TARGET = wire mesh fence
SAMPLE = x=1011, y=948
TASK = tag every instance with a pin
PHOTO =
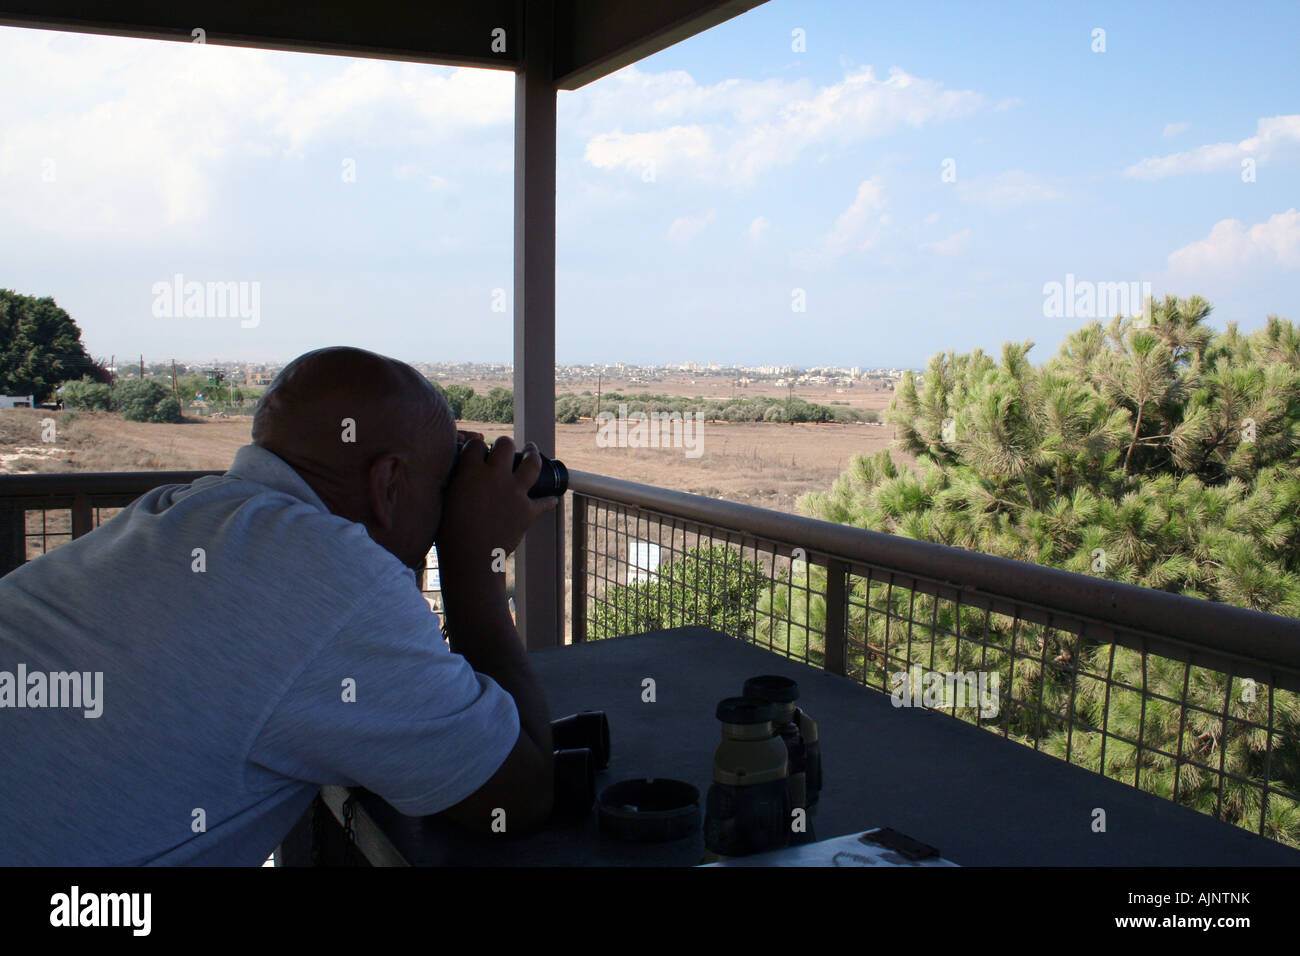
x=1215, y=728
x=1221, y=739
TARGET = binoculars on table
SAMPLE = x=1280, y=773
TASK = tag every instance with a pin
x=581, y=744
x=552, y=480
x=766, y=772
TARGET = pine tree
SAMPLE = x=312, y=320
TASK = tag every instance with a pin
x=1158, y=454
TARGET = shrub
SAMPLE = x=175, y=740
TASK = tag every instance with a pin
x=147, y=400
x=87, y=394
x=711, y=586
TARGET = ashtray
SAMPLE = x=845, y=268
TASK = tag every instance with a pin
x=649, y=810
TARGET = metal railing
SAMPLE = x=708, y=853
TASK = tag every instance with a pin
x=1194, y=701
x=39, y=512
x=1188, y=699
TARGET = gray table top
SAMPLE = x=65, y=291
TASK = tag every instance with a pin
x=982, y=800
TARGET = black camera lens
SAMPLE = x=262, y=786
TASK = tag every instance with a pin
x=552, y=481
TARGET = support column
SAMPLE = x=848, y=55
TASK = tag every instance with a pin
x=539, y=564
x=13, y=536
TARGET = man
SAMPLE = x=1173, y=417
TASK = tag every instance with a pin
x=249, y=637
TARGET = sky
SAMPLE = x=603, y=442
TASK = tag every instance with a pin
x=810, y=183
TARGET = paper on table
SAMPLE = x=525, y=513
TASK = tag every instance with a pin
x=838, y=851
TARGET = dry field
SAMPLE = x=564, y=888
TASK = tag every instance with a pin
x=715, y=388
x=764, y=464
x=100, y=441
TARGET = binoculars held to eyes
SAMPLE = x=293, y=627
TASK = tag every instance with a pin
x=552, y=481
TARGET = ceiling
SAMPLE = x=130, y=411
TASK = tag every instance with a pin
x=591, y=38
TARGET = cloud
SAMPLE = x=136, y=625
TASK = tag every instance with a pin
x=1276, y=138
x=642, y=152
x=686, y=228
x=860, y=225
x=734, y=131
x=950, y=246
x=416, y=172
x=1231, y=247
x=931, y=219
x=1173, y=129
x=759, y=226
x=124, y=137
x=1012, y=188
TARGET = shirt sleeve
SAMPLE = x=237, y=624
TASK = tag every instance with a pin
x=387, y=706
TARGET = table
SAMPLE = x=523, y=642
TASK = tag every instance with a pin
x=982, y=800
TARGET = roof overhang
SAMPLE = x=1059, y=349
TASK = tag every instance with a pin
x=592, y=37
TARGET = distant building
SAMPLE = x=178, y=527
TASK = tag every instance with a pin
x=17, y=401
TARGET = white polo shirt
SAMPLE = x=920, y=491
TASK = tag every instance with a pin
x=252, y=646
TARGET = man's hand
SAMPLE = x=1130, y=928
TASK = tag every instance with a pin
x=487, y=505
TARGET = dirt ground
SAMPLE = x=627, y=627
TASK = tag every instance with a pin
x=766, y=464
x=872, y=394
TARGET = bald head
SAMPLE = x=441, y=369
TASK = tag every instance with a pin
x=301, y=415
x=338, y=414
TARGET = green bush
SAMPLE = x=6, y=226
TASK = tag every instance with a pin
x=709, y=586
x=457, y=396
x=567, y=409
x=167, y=410
x=146, y=400
x=87, y=394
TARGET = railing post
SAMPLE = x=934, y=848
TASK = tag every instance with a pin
x=83, y=515
x=578, y=567
x=13, y=536
x=837, y=573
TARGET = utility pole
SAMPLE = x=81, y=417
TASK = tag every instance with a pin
x=175, y=394
x=600, y=377
x=142, y=366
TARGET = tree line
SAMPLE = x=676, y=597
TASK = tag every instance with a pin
x=498, y=406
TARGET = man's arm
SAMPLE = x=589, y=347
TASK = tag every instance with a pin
x=480, y=629
x=487, y=508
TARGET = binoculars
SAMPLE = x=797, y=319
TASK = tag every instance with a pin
x=581, y=744
x=767, y=772
x=552, y=481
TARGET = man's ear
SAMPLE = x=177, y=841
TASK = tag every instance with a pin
x=385, y=480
